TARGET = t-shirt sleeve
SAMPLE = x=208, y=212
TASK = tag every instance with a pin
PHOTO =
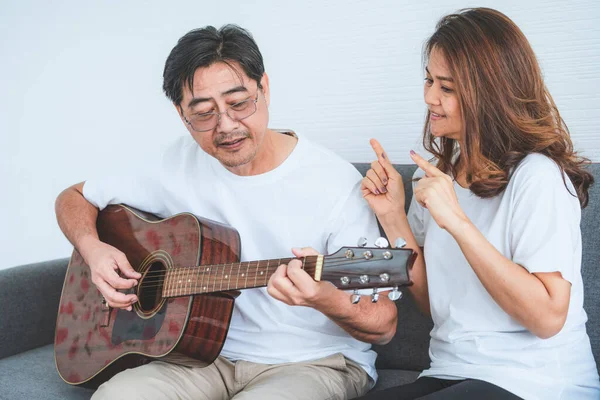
x=139, y=187
x=352, y=220
x=416, y=213
x=544, y=227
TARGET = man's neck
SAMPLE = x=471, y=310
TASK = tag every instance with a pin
x=274, y=150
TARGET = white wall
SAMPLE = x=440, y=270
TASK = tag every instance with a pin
x=80, y=85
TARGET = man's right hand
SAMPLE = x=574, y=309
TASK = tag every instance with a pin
x=110, y=271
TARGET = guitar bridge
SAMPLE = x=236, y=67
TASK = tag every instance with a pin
x=105, y=309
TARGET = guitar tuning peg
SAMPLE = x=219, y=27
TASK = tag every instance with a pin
x=374, y=296
x=382, y=243
x=395, y=294
x=362, y=242
x=355, y=298
x=399, y=243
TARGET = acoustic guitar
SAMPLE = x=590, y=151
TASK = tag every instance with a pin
x=191, y=275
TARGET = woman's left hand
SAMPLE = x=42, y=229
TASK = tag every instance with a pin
x=436, y=192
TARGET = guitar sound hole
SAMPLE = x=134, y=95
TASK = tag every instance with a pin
x=150, y=288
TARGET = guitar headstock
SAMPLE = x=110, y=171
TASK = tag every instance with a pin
x=368, y=267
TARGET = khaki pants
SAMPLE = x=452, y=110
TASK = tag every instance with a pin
x=331, y=378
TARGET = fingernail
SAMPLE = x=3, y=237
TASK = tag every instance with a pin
x=412, y=153
x=377, y=191
x=384, y=190
x=383, y=155
x=385, y=181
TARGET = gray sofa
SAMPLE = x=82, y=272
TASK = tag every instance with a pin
x=29, y=298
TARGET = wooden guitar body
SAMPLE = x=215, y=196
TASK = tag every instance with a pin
x=94, y=342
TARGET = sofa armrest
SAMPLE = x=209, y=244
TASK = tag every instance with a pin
x=29, y=297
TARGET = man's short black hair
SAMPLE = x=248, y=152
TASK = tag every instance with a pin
x=203, y=47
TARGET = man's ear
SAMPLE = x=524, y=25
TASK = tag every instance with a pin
x=264, y=82
x=179, y=111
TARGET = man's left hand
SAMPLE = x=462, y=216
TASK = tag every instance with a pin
x=293, y=286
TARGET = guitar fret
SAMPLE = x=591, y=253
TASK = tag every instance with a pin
x=179, y=271
x=187, y=283
x=229, y=279
x=202, y=288
x=215, y=280
x=267, y=273
x=247, y=267
x=181, y=281
x=222, y=277
x=256, y=273
x=237, y=279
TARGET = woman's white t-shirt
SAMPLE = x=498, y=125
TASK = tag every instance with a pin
x=534, y=223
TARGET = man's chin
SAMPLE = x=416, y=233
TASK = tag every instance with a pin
x=234, y=160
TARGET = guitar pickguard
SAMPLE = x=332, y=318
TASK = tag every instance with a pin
x=129, y=326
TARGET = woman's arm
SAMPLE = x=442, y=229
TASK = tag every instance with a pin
x=539, y=301
x=383, y=189
x=397, y=226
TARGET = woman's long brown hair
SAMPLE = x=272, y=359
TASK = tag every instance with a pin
x=506, y=108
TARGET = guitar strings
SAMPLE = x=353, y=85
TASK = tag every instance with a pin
x=157, y=281
x=155, y=295
x=181, y=271
x=279, y=262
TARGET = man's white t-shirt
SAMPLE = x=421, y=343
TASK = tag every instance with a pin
x=312, y=199
x=534, y=223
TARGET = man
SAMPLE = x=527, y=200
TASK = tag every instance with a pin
x=296, y=339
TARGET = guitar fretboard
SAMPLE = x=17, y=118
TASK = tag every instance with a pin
x=223, y=277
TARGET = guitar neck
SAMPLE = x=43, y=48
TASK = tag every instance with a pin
x=189, y=281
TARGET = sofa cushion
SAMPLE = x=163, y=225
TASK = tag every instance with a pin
x=590, y=267
x=32, y=293
x=394, y=377
x=33, y=375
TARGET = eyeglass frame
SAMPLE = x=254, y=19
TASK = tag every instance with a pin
x=218, y=114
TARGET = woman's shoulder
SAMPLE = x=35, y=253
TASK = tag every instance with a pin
x=538, y=167
x=539, y=175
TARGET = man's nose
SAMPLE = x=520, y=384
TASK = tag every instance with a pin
x=226, y=124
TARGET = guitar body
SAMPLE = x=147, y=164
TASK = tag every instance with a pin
x=94, y=342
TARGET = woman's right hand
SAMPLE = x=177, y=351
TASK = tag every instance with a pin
x=382, y=186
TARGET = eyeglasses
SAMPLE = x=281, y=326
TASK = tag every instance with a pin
x=208, y=121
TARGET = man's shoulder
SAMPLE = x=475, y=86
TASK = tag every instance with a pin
x=327, y=163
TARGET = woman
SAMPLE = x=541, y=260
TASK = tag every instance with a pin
x=496, y=222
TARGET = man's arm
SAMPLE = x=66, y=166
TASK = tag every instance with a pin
x=366, y=321
x=77, y=219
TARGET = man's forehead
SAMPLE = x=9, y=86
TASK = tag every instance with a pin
x=218, y=78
